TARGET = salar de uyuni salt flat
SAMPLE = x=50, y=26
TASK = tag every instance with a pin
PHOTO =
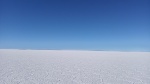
x=73, y=67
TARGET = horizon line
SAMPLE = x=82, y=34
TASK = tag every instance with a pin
x=76, y=50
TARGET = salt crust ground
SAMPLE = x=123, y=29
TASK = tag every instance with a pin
x=73, y=67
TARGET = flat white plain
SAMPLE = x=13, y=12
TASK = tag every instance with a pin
x=73, y=67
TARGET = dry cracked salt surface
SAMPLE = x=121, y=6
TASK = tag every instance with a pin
x=73, y=67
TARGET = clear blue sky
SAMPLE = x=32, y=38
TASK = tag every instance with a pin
x=75, y=24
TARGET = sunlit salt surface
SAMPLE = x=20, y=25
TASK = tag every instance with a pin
x=73, y=67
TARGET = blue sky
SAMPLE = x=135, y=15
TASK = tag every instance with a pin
x=75, y=24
